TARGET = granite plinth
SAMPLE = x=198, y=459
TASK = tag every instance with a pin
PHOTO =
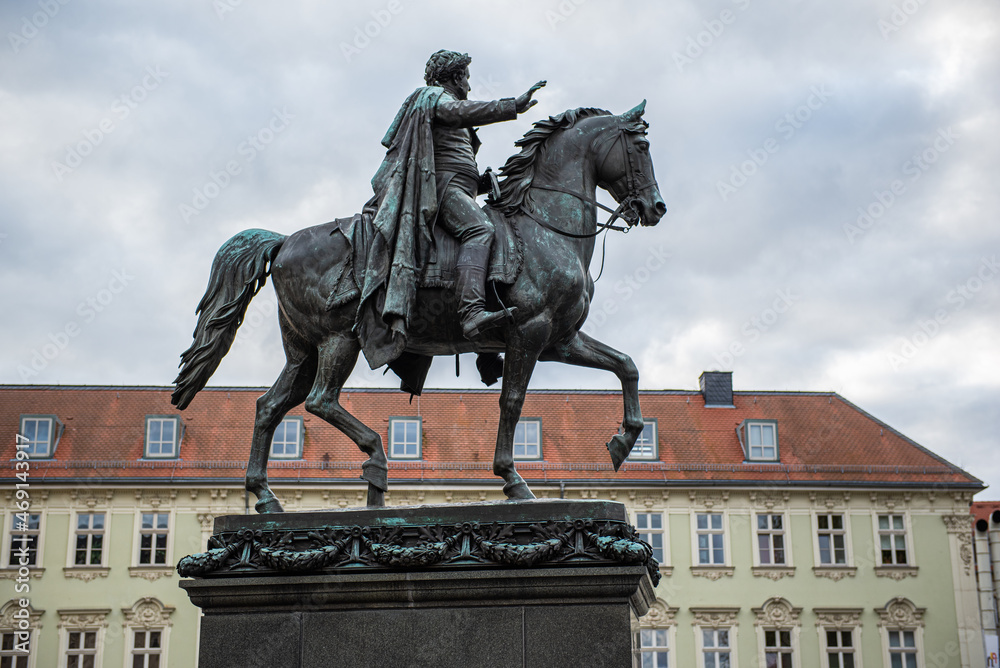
x=570, y=609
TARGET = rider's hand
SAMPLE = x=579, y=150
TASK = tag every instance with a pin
x=524, y=101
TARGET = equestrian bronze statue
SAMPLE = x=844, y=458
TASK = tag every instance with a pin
x=423, y=271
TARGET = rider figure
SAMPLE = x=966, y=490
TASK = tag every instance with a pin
x=458, y=181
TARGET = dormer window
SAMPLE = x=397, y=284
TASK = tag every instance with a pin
x=759, y=439
x=39, y=435
x=287, y=440
x=162, y=437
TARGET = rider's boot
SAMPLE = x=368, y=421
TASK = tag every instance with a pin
x=471, y=289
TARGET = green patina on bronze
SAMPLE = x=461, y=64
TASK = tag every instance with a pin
x=354, y=284
x=521, y=535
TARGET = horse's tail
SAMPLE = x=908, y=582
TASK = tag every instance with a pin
x=239, y=271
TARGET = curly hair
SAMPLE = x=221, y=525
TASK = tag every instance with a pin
x=444, y=65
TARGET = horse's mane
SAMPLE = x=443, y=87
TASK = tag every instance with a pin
x=519, y=169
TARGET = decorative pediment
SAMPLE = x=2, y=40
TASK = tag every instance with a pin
x=843, y=619
x=714, y=617
x=769, y=499
x=777, y=613
x=148, y=613
x=83, y=619
x=659, y=615
x=900, y=612
x=708, y=500
x=8, y=621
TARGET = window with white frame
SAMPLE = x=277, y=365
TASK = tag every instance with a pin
x=778, y=648
x=146, y=648
x=759, y=439
x=88, y=549
x=287, y=440
x=902, y=648
x=154, y=532
x=147, y=633
x=831, y=536
x=528, y=439
x=162, y=437
x=17, y=645
x=646, y=445
x=654, y=648
x=839, y=648
x=892, y=540
x=38, y=435
x=404, y=438
x=649, y=526
x=24, y=539
x=716, y=651
x=15, y=650
x=901, y=624
x=81, y=648
x=771, y=539
x=710, y=534
x=81, y=637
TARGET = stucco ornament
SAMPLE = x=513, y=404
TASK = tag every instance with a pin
x=777, y=613
x=148, y=613
x=902, y=613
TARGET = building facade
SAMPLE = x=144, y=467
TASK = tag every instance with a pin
x=792, y=529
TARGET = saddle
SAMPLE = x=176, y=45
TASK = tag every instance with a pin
x=506, y=256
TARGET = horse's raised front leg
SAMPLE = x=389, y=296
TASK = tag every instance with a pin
x=337, y=357
x=288, y=391
x=583, y=350
x=518, y=366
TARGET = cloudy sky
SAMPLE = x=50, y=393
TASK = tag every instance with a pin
x=830, y=170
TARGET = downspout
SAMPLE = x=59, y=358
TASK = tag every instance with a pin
x=987, y=606
x=994, y=540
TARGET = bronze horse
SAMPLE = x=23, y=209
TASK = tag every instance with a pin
x=548, y=192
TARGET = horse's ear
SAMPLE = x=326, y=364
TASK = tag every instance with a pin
x=635, y=113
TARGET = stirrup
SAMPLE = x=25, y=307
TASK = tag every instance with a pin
x=483, y=321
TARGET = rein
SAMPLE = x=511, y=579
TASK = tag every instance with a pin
x=631, y=193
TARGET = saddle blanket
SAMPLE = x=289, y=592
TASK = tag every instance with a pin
x=439, y=271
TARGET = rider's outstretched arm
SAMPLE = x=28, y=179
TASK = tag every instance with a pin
x=473, y=113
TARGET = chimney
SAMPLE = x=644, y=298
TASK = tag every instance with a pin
x=717, y=388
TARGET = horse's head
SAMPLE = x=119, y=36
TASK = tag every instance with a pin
x=625, y=168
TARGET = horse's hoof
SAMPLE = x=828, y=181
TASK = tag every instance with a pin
x=619, y=448
x=271, y=505
x=376, y=497
x=517, y=490
x=375, y=474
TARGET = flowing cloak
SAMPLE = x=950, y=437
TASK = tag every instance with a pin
x=401, y=233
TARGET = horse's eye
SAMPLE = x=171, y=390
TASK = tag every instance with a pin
x=643, y=146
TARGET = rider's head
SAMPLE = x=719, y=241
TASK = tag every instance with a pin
x=450, y=70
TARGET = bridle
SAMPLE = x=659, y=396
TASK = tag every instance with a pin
x=633, y=180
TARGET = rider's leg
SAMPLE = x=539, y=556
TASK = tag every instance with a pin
x=464, y=220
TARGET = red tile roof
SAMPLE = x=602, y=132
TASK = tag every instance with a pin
x=981, y=510
x=823, y=439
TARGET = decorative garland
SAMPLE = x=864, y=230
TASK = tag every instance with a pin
x=519, y=545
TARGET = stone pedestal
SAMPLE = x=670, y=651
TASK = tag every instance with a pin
x=541, y=583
